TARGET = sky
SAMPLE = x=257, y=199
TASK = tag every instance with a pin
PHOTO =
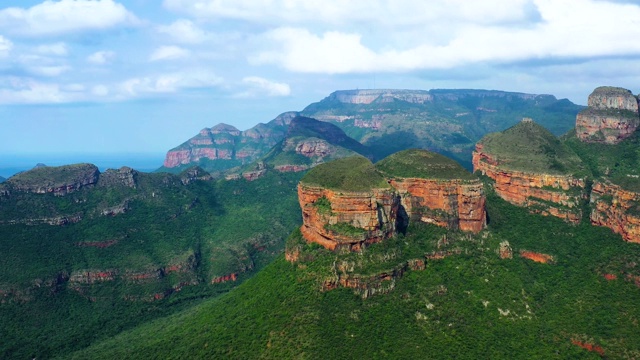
x=143, y=76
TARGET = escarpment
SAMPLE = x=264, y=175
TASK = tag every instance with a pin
x=617, y=209
x=531, y=168
x=348, y=202
x=612, y=116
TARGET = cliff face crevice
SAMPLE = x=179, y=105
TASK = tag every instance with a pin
x=452, y=203
x=546, y=194
x=617, y=209
x=611, y=116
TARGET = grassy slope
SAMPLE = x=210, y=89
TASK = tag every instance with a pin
x=450, y=310
x=355, y=173
x=422, y=164
x=232, y=226
x=619, y=163
x=528, y=146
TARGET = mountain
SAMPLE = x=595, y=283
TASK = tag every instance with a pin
x=599, y=161
x=223, y=146
x=308, y=142
x=2, y=179
x=350, y=203
x=527, y=286
x=386, y=121
x=446, y=121
x=95, y=252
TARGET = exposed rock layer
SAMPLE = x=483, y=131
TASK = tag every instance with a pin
x=617, y=209
x=611, y=117
x=556, y=195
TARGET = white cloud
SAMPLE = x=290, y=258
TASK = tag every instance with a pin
x=169, y=83
x=567, y=31
x=58, y=49
x=5, y=46
x=183, y=31
x=15, y=90
x=65, y=16
x=380, y=13
x=100, y=90
x=50, y=71
x=169, y=53
x=101, y=57
x=258, y=86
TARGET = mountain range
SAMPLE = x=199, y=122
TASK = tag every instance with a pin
x=393, y=249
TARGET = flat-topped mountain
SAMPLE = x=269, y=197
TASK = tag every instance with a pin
x=447, y=121
x=612, y=116
x=350, y=202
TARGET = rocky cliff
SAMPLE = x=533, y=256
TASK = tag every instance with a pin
x=435, y=189
x=532, y=168
x=348, y=202
x=57, y=180
x=612, y=116
x=617, y=209
x=224, y=146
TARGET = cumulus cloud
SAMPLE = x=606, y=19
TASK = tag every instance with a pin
x=101, y=57
x=169, y=53
x=183, y=31
x=385, y=12
x=258, y=86
x=169, y=83
x=65, y=16
x=5, y=46
x=58, y=49
x=567, y=31
x=15, y=90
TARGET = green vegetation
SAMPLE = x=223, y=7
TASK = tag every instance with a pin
x=469, y=305
x=417, y=163
x=528, y=146
x=355, y=173
x=345, y=229
x=54, y=176
x=618, y=163
x=207, y=228
x=323, y=205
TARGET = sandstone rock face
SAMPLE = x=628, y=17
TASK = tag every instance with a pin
x=617, y=209
x=611, y=117
x=556, y=195
x=452, y=203
x=347, y=219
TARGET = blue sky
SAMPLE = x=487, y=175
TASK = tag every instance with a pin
x=142, y=76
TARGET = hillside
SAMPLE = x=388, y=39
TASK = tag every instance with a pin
x=355, y=173
x=449, y=122
x=529, y=147
x=94, y=253
x=464, y=301
x=422, y=164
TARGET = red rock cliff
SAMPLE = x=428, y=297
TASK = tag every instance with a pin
x=612, y=116
x=347, y=219
x=617, y=209
x=556, y=195
x=450, y=203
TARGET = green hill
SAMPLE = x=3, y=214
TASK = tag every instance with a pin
x=422, y=164
x=355, y=173
x=468, y=305
x=128, y=248
x=527, y=146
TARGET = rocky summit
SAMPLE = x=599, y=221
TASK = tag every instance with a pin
x=612, y=116
x=350, y=202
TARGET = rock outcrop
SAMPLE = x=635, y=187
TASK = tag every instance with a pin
x=381, y=95
x=57, y=180
x=612, y=116
x=348, y=203
x=617, y=209
x=228, y=144
x=532, y=169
